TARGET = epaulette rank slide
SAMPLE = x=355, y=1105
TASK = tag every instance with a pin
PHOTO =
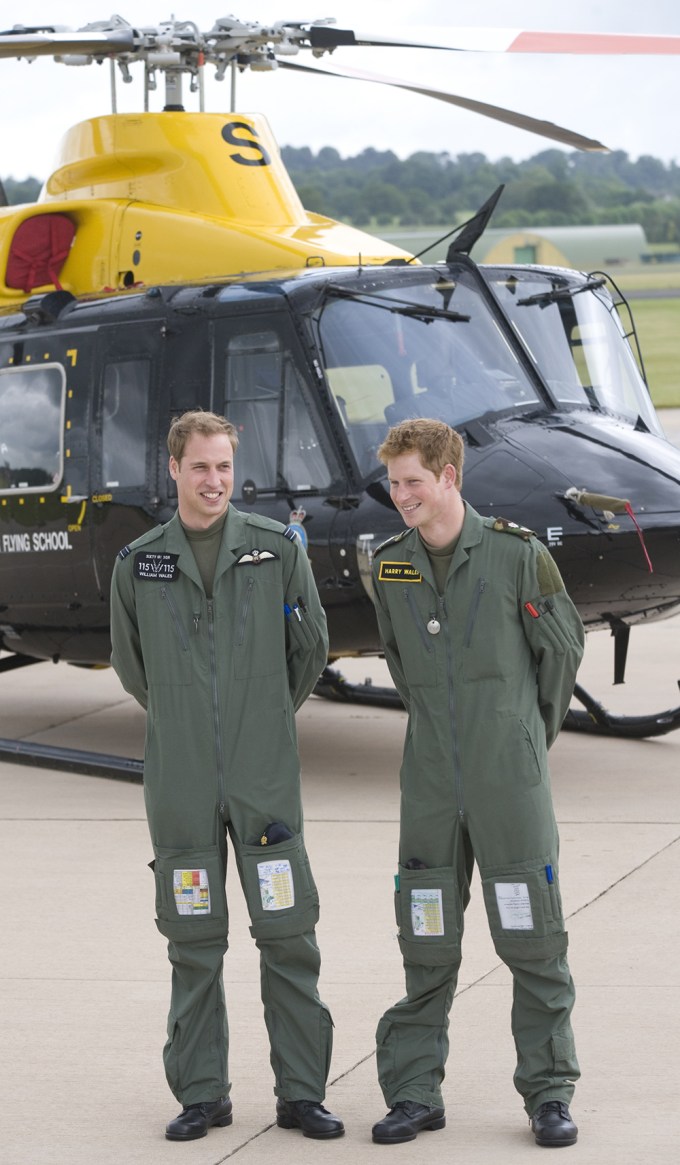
x=505, y=527
x=391, y=541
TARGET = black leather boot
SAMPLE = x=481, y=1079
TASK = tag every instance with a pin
x=405, y=1120
x=310, y=1116
x=552, y=1125
x=195, y=1120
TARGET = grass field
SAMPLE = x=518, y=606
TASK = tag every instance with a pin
x=658, y=327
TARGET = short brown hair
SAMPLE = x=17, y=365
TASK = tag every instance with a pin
x=436, y=443
x=198, y=421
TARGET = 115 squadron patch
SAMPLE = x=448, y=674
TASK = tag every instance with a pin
x=157, y=566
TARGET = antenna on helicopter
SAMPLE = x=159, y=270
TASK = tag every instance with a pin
x=472, y=230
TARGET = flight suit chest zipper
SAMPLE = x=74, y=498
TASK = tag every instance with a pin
x=244, y=611
x=219, y=754
x=474, y=609
x=174, y=614
x=417, y=618
x=455, y=751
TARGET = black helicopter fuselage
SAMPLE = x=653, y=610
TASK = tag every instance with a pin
x=312, y=368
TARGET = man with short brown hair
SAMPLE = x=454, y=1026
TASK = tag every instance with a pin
x=218, y=632
x=483, y=644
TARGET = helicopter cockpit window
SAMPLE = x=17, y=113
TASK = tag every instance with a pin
x=427, y=347
x=577, y=340
x=31, y=428
x=279, y=446
x=124, y=414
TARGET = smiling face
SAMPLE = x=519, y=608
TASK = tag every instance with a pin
x=428, y=503
x=205, y=479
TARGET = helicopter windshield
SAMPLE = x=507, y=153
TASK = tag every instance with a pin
x=575, y=335
x=422, y=346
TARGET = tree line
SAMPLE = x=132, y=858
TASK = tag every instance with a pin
x=552, y=188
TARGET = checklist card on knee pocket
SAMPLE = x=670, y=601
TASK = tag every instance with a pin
x=279, y=887
x=428, y=915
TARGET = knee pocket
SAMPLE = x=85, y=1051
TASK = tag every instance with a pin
x=524, y=909
x=191, y=900
x=279, y=888
x=563, y=1053
x=429, y=915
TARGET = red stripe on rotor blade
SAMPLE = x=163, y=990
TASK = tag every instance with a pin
x=604, y=44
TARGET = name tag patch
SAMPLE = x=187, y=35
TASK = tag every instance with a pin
x=156, y=566
x=399, y=572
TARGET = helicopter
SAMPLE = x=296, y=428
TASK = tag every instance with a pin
x=169, y=264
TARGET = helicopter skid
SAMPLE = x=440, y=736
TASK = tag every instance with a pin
x=332, y=685
x=71, y=760
x=595, y=718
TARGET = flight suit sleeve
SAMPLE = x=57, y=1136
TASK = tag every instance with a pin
x=126, y=656
x=306, y=631
x=389, y=642
x=555, y=634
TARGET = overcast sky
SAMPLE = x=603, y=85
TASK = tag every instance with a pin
x=629, y=103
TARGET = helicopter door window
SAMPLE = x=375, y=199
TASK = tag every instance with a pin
x=31, y=428
x=124, y=415
x=278, y=444
x=304, y=465
x=253, y=393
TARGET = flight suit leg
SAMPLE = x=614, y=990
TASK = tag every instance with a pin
x=524, y=909
x=196, y=1052
x=543, y=999
x=412, y=1036
x=299, y=1025
x=412, y=1043
x=284, y=907
x=191, y=909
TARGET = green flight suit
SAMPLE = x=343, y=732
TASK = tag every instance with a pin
x=486, y=671
x=221, y=679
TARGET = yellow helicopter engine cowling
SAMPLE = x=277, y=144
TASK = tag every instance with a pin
x=164, y=198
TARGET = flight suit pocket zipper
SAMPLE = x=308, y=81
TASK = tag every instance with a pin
x=244, y=611
x=417, y=618
x=474, y=610
x=174, y=613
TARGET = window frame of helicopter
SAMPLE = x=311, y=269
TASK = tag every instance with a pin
x=44, y=412
x=125, y=446
x=601, y=376
x=265, y=394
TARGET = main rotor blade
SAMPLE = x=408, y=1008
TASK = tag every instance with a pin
x=57, y=44
x=503, y=40
x=546, y=129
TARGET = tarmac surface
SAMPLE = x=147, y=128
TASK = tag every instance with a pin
x=84, y=980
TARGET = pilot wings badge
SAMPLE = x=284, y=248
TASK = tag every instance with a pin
x=255, y=557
